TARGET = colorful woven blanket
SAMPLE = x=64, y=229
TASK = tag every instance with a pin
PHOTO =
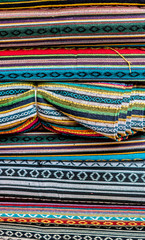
x=83, y=109
x=72, y=64
x=72, y=78
x=72, y=215
x=13, y=231
x=48, y=167
x=95, y=25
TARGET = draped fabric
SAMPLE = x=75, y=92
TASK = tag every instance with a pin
x=83, y=109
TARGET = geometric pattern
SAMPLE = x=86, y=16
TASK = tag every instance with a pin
x=53, y=233
x=46, y=142
x=58, y=214
x=71, y=179
x=51, y=29
x=95, y=175
x=56, y=109
x=83, y=194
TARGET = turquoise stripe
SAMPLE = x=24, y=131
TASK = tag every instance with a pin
x=99, y=218
x=98, y=157
x=73, y=73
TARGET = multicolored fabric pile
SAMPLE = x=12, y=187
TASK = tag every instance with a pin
x=55, y=187
x=72, y=120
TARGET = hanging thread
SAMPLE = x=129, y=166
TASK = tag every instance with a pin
x=129, y=63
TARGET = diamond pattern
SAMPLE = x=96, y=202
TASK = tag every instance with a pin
x=82, y=175
x=120, y=177
x=133, y=177
x=108, y=177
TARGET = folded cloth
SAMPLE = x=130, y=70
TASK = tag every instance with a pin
x=99, y=149
x=84, y=109
x=72, y=214
x=71, y=64
x=12, y=231
x=23, y=4
x=108, y=172
x=18, y=108
x=94, y=25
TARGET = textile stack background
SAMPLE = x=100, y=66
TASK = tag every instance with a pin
x=72, y=120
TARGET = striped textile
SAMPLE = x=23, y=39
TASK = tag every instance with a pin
x=72, y=11
x=115, y=111
x=13, y=231
x=46, y=166
x=73, y=214
x=74, y=177
x=74, y=70
x=73, y=26
x=17, y=108
x=86, y=109
x=23, y=4
x=70, y=147
x=71, y=64
x=65, y=168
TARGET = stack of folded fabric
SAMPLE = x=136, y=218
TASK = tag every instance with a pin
x=72, y=120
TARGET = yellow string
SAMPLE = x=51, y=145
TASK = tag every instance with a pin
x=129, y=63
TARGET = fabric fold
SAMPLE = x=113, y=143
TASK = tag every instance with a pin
x=86, y=109
x=52, y=232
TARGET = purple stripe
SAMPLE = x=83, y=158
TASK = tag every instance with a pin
x=137, y=145
x=81, y=63
x=105, y=17
x=111, y=42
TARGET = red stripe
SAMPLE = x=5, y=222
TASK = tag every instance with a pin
x=49, y=51
x=71, y=206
